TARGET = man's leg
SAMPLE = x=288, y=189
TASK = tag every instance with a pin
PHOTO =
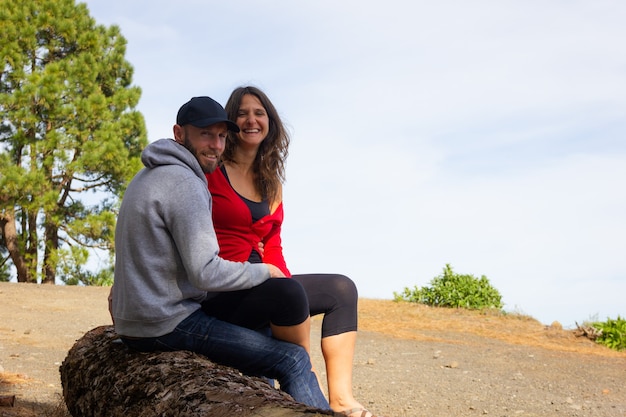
x=248, y=351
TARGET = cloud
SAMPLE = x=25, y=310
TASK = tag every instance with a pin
x=483, y=134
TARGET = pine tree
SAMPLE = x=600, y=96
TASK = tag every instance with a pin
x=69, y=127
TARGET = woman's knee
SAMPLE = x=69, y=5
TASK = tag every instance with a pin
x=290, y=306
x=345, y=289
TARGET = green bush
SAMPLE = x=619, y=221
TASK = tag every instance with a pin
x=454, y=290
x=613, y=333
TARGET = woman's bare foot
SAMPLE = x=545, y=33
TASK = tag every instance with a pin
x=357, y=412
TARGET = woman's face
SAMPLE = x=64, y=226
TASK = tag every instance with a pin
x=252, y=120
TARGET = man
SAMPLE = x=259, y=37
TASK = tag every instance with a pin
x=167, y=261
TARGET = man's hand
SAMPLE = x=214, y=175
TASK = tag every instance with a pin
x=275, y=272
x=110, y=299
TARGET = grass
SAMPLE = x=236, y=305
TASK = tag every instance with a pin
x=421, y=322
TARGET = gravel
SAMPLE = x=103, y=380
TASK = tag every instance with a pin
x=471, y=375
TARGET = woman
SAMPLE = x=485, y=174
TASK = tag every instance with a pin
x=248, y=215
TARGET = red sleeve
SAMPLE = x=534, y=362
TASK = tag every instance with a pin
x=273, y=249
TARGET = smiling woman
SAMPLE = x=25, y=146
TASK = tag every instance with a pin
x=248, y=216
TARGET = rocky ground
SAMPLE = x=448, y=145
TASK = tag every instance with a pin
x=411, y=360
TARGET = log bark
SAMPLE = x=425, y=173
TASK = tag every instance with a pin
x=7, y=400
x=102, y=377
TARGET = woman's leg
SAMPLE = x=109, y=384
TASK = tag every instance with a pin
x=336, y=297
x=338, y=352
x=280, y=303
x=300, y=334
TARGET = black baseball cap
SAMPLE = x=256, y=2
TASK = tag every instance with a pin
x=204, y=111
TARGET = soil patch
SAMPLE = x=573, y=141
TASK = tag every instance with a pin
x=411, y=360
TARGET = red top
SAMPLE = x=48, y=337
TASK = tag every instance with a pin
x=236, y=234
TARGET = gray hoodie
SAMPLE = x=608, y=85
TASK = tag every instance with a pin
x=165, y=246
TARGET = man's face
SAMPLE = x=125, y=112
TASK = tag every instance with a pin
x=205, y=143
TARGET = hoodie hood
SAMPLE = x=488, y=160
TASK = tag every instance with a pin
x=169, y=152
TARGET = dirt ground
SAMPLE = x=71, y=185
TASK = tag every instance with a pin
x=411, y=360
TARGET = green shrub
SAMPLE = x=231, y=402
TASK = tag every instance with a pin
x=454, y=290
x=613, y=333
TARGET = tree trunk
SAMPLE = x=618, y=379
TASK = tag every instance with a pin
x=9, y=232
x=51, y=237
x=102, y=377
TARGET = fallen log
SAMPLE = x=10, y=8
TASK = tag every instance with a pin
x=102, y=377
x=7, y=400
x=589, y=332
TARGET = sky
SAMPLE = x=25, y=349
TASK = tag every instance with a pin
x=488, y=135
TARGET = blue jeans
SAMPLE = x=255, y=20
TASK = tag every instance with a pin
x=247, y=350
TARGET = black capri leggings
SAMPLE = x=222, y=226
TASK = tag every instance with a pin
x=289, y=301
x=281, y=301
x=333, y=295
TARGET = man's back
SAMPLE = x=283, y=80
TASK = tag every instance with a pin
x=166, y=250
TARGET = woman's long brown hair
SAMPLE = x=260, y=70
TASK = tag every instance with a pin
x=269, y=165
